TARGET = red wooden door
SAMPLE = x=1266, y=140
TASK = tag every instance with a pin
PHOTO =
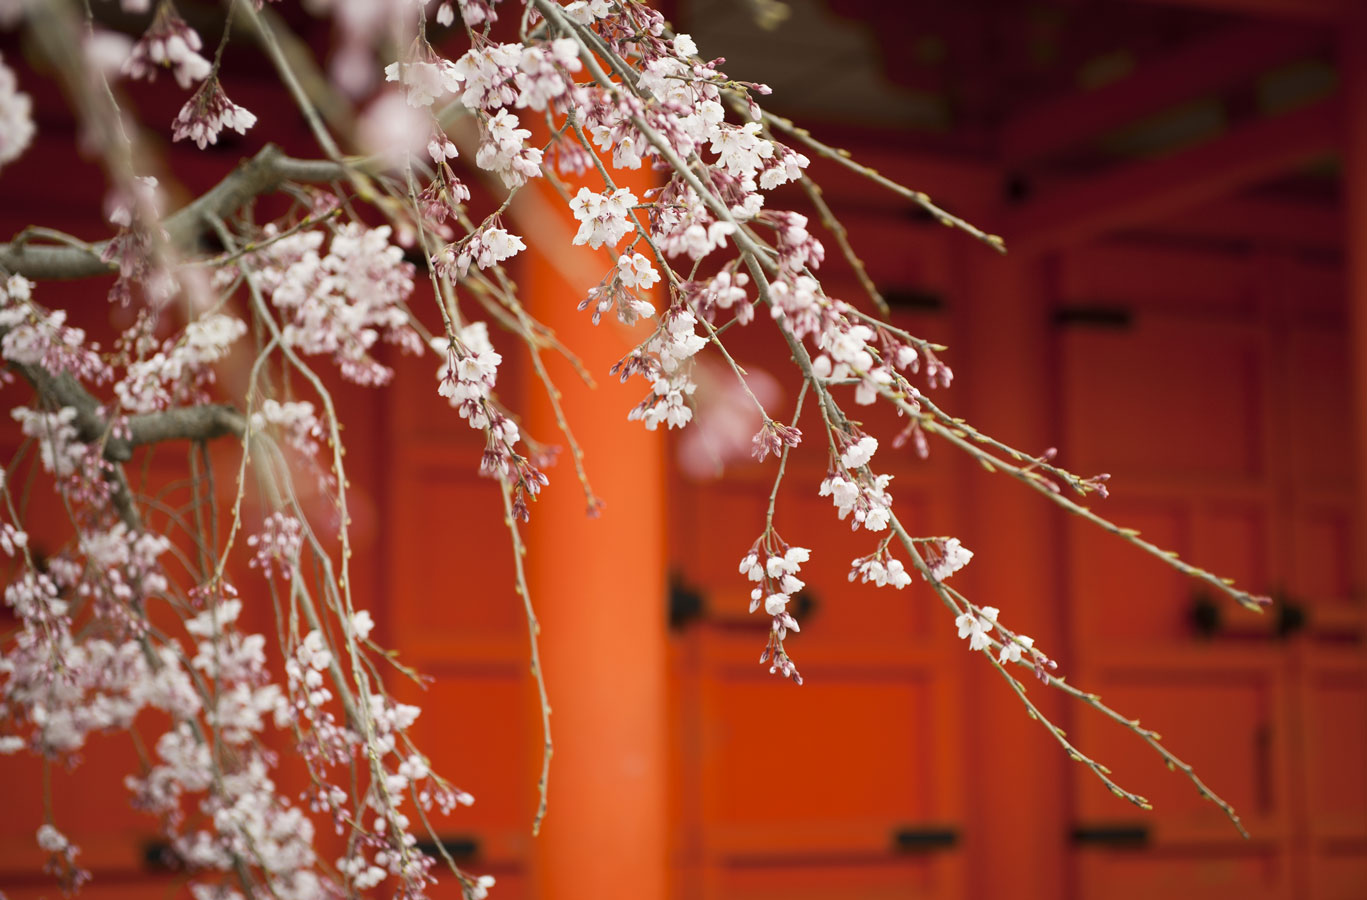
x=1217, y=398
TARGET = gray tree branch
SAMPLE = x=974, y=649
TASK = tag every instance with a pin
x=188, y=423
x=261, y=174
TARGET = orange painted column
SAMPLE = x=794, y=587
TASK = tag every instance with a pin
x=599, y=586
x=1017, y=801
x=1353, y=72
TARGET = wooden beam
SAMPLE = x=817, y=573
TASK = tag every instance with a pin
x=1143, y=192
x=1197, y=70
x=1304, y=10
x=1264, y=221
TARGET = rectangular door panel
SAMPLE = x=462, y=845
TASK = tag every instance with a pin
x=807, y=879
x=1335, y=740
x=835, y=766
x=469, y=594
x=1245, y=873
x=1319, y=420
x=1130, y=391
x=1339, y=871
x=1221, y=720
x=1322, y=556
x=459, y=708
x=1122, y=593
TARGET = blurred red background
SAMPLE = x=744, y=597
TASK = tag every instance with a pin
x=1183, y=186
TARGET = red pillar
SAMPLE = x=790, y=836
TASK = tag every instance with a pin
x=599, y=588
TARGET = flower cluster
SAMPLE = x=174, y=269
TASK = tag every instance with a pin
x=881, y=568
x=948, y=557
x=503, y=150
x=485, y=247
x=343, y=301
x=424, y=80
x=721, y=293
x=633, y=271
x=33, y=336
x=662, y=359
x=468, y=376
x=467, y=379
x=603, y=218
x=540, y=78
x=16, y=117
x=774, y=565
x=977, y=627
x=246, y=820
x=277, y=544
x=207, y=112
x=168, y=43
x=61, y=858
x=772, y=437
x=181, y=370
x=59, y=446
x=296, y=419
x=861, y=493
x=125, y=565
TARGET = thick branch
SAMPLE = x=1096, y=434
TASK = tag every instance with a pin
x=261, y=174
x=184, y=423
x=187, y=423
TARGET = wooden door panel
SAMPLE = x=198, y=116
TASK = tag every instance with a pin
x=1224, y=720
x=1335, y=738
x=466, y=600
x=104, y=886
x=1339, y=871
x=1121, y=593
x=852, y=738
x=798, y=879
x=1321, y=414
x=844, y=787
x=1247, y=873
x=719, y=525
x=1130, y=390
x=113, y=840
x=1322, y=555
x=1232, y=540
x=459, y=707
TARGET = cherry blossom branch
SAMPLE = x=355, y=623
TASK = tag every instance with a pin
x=842, y=239
x=956, y=435
x=783, y=459
x=533, y=633
x=755, y=261
x=958, y=604
x=1150, y=737
x=920, y=198
x=266, y=34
